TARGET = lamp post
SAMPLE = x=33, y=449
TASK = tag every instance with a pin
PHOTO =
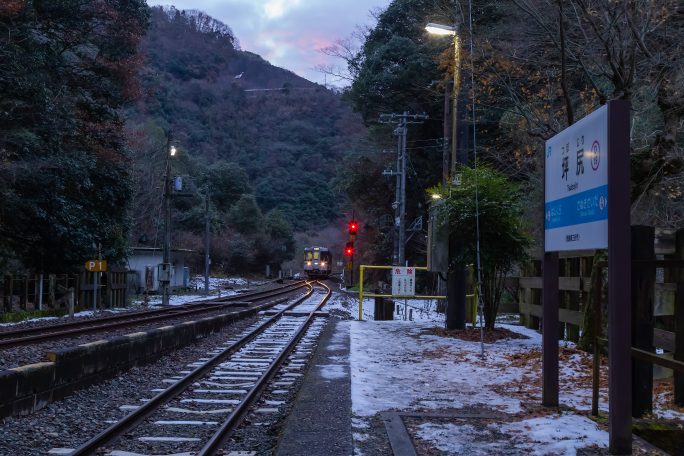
x=446, y=30
x=456, y=274
x=165, y=272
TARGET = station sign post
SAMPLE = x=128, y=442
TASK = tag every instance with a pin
x=587, y=206
x=95, y=266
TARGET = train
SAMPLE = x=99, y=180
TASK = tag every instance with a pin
x=317, y=262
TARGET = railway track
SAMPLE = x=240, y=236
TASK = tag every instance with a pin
x=184, y=418
x=26, y=336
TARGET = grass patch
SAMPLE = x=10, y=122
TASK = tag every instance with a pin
x=21, y=315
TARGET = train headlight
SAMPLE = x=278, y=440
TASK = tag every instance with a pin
x=322, y=263
x=308, y=263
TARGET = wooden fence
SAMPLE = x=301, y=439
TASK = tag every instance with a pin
x=657, y=307
x=50, y=291
x=575, y=286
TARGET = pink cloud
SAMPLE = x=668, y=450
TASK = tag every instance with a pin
x=293, y=39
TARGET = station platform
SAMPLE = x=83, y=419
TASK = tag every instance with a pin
x=320, y=421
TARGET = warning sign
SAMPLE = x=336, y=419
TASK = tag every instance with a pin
x=403, y=281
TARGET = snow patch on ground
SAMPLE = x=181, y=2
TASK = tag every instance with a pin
x=332, y=371
x=401, y=365
x=560, y=435
x=218, y=287
x=557, y=435
x=398, y=365
x=32, y=319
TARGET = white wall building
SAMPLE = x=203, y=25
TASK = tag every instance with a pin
x=143, y=264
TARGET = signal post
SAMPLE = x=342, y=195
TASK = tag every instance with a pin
x=353, y=228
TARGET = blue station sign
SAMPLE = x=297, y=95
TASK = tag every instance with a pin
x=576, y=186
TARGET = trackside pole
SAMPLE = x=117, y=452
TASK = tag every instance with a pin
x=94, y=291
x=361, y=292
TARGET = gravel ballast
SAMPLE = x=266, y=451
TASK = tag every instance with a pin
x=68, y=423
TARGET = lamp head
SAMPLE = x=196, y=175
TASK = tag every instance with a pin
x=172, y=151
x=439, y=29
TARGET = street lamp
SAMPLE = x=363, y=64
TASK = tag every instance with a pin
x=456, y=275
x=446, y=30
x=439, y=29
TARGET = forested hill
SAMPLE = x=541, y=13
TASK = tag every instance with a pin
x=198, y=84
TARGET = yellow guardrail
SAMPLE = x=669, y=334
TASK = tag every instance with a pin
x=373, y=295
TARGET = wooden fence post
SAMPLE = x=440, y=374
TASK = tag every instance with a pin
x=23, y=300
x=70, y=301
x=643, y=289
x=7, y=298
x=678, y=276
x=108, y=288
x=77, y=284
x=51, y=290
x=82, y=294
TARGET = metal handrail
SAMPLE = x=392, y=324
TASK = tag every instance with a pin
x=372, y=295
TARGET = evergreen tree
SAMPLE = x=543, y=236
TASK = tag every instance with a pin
x=245, y=216
x=67, y=67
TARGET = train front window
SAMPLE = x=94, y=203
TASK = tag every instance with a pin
x=308, y=256
x=315, y=255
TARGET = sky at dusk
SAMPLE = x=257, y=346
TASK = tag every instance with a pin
x=289, y=33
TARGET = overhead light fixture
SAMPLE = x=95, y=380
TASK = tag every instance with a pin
x=439, y=29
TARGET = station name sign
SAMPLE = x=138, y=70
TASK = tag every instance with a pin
x=576, y=186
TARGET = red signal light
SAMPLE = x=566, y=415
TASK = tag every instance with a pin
x=353, y=227
x=349, y=249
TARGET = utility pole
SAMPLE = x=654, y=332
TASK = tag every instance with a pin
x=402, y=121
x=165, y=272
x=402, y=202
x=397, y=199
x=207, y=260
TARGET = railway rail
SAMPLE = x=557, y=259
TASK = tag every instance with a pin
x=30, y=335
x=232, y=380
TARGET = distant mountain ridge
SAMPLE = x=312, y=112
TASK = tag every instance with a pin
x=207, y=36
x=220, y=103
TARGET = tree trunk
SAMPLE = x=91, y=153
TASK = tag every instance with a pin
x=586, y=342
